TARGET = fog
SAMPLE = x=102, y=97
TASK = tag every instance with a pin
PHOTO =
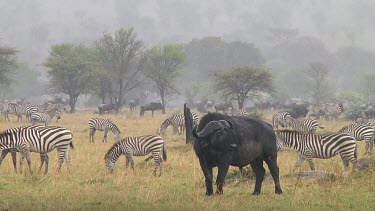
x=290, y=33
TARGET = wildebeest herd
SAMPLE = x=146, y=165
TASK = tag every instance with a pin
x=221, y=140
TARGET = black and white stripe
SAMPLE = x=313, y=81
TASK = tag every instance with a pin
x=332, y=111
x=304, y=126
x=361, y=132
x=280, y=119
x=237, y=112
x=45, y=118
x=43, y=140
x=137, y=146
x=103, y=125
x=177, y=121
x=316, y=146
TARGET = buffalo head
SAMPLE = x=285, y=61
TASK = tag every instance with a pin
x=216, y=134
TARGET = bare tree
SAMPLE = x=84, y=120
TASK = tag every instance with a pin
x=121, y=55
x=8, y=64
x=318, y=74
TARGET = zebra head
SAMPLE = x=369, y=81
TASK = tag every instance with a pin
x=109, y=163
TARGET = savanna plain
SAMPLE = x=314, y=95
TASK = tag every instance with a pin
x=87, y=186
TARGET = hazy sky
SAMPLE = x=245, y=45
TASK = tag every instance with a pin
x=33, y=25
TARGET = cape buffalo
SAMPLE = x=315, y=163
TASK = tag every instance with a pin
x=237, y=141
x=150, y=107
x=106, y=108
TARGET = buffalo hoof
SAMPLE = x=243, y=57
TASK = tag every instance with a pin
x=209, y=193
x=255, y=193
x=278, y=191
x=218, y=192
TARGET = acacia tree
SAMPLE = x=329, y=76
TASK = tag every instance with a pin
x=317, y=75
x=71, y=70
x=163, y=66
x=243, y=83
x=121, y=56
x=7, y=64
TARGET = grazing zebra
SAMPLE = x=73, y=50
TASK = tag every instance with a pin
x=43, y=140
x=361, y=132
x=240, y=112
x=137, y=146
x=280, y=118
x=366, y=121
x=333, y=111
x=44, y=117
x=103, y=125
x=177, y=121
x=304, y=126
x=317, y=146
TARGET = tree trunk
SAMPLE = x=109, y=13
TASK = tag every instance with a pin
x=162, y=102
x=72, y=102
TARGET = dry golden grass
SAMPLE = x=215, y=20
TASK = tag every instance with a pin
x=87, y=187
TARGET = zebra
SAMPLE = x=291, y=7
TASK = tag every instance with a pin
x=365, y=121
x=239, y=112
x=332, y=111
x=361, y=132
x=44, y=117
x=13, y=108
x=103, y=125
x=280, y=118
x=137, y=146
x=177, y=121
x=304, y=126
x=320, y=146
x=43, y=140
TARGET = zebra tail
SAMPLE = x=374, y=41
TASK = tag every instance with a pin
x=321, y=127
x=164, y=154
x=71, y=145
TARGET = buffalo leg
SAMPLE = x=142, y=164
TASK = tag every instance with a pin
x=257, y=166
x=274, y=169
x=207, y=171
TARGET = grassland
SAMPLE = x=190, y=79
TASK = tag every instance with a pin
x=87, y=187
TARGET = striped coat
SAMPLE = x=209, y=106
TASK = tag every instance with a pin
x=361, y=132
x=316, y=146
x=178, y=123
x=137, y=146
x=304, y=126
x=103, y=125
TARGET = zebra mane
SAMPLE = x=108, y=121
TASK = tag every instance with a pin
x=113, y=147
x=5, y=133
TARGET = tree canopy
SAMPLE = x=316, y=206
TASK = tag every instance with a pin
x=70, y=70
x=163, y=66
x=8, y=64
x=121, y=56
x=243, y=83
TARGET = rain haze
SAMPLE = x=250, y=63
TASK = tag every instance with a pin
x=290, y=36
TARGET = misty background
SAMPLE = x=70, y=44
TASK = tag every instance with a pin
x=289, y=35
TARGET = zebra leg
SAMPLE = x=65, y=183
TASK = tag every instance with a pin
x=300, y=160
x=160, y=165
x=91, y=135
x=67, y=159
x=345, y=161
x=14, y=159
x=61, y=159
x=105, y=136
x=22, y=157
x=156, y=157
x=311, y=164
x=46, y=159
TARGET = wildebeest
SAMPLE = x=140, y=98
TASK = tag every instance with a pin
x=150, y=107
x=133, y=104
x=106, y=108
x=223, y=107
x=237, y=141
x=297, y=111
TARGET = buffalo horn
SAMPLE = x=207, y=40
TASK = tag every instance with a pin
x=210, y=128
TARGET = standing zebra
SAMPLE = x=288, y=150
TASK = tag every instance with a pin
x=43, y=140
x=103, y=125
x=177, y=121
x=304, y=126
x=239, y=112
x=361, y=132
x=17, y=141
x=316, y=146
x=137, y=146
x=280, y=118
x=44, y=117
x=332, y=111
